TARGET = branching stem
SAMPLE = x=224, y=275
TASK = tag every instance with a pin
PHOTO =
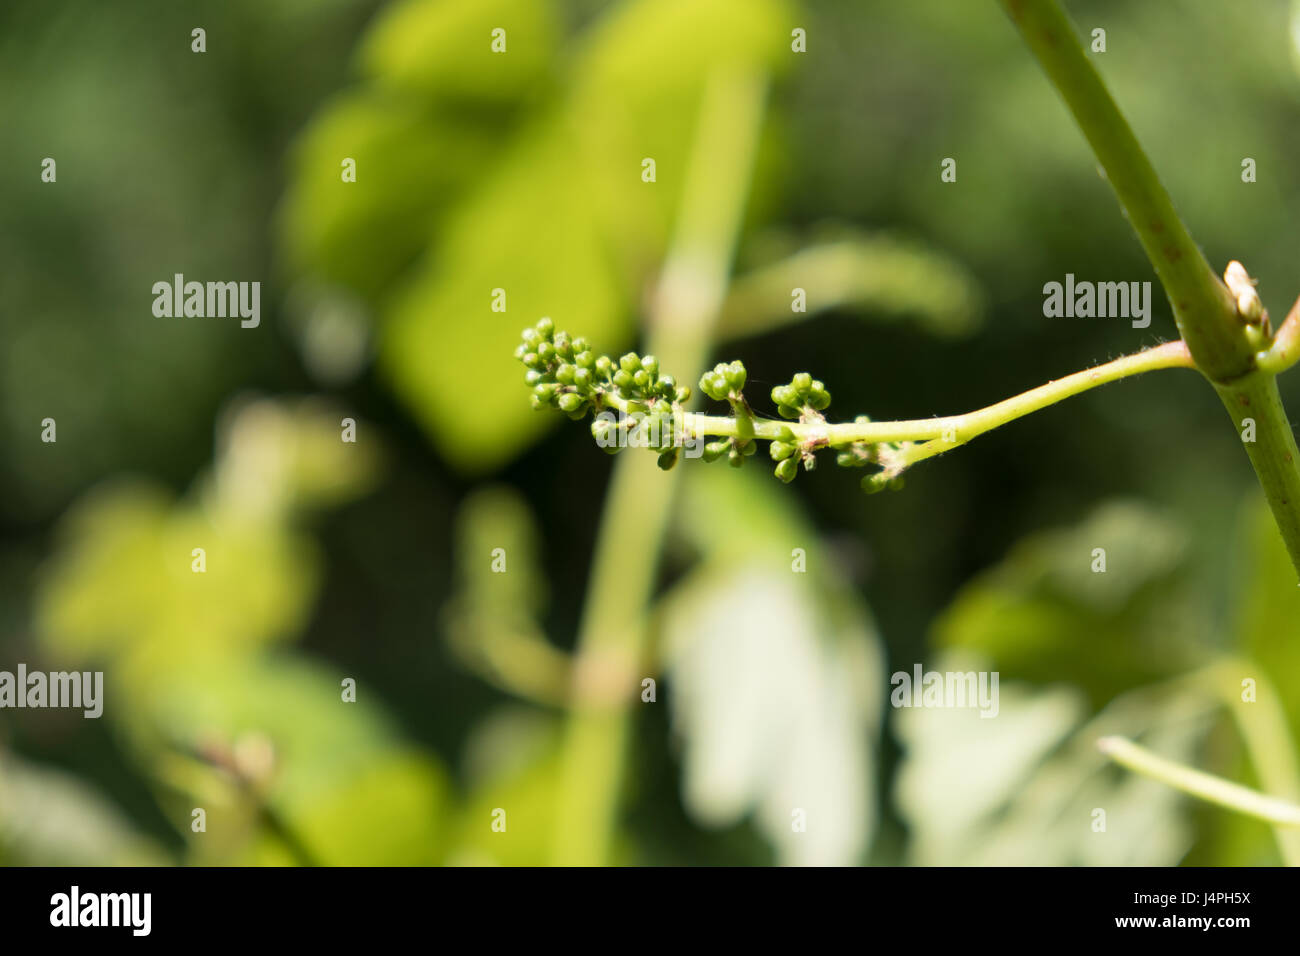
x=1204, y=309
x=947, y=432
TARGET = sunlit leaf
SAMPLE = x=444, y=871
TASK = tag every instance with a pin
x=774, y=678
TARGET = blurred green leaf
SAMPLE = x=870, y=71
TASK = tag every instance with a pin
x=1044, y=611
x=186, y=659
x=881, y=276
x=557, y=216
x=531, y=231
x=521, y=795
x=121, y=586
x=774, y=676
x=51, y=818
x=492, y=618
x=636, y=93
x=443, y=49
x=389, y=812
x=1023, y=788
x=509, y=816
x=412, y=164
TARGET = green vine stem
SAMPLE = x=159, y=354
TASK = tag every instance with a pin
x=1205, y=310
x=613, y=634
x=1203, y=307
x=949, y=431
x=1203, y=786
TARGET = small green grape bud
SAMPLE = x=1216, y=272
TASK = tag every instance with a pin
x=735, y=375
x=640, y=379
x=682, y=395
x=545, y=328
x=650, y=364
x=880, y=481
x=584, y=359
x=623, y=379
x=629, y=362
x=571, y=402
x=546, y=353
x=668, y=459
x=715, y=450
x=580, y=345
x=564, y=374
x=531, y=338
x=780, y=450
x=532, y=377
x=749, y=448
x=786, y=469
x=582, y=378
x=604, y=366
x=735, y=458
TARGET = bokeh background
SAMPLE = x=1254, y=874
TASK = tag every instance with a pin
x=372, y=560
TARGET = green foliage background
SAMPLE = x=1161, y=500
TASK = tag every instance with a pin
x=522, y=172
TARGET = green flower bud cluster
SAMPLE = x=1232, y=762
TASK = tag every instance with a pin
x=786, y=451
x=561, y=370
x=803, y=397
x=637, y=378
x=884, y=455
x=725, y=382
x=880, y=481
x=564, y=373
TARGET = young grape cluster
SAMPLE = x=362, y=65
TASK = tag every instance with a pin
x=566, y=374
